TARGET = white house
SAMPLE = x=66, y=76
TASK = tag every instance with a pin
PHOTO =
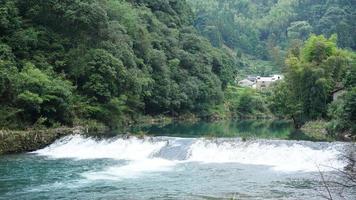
x=246, y=83
x=259, y=82
x=265, y=82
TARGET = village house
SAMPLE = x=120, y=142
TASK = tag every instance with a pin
x=265, y=82
x=246, y=83
x=258, y=82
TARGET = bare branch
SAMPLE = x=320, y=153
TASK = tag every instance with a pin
x=325, y=184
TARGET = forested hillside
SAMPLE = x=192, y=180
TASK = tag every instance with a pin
x=114, y=62
x=67, y=61
x=178, y=99
x=263, y=30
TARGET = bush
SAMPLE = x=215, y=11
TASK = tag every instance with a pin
x=245, y=102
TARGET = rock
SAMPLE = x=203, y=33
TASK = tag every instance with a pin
x=31, y=140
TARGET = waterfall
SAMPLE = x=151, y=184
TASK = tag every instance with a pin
x=164, y=153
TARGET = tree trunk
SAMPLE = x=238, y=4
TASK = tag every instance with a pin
x=297, y=125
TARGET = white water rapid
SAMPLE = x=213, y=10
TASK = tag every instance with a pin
x=164, y=153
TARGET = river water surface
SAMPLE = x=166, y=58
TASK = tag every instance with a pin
x=166, y=166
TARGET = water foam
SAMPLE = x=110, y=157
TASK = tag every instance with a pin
x=138, y=153
x=79, y=147
x=149, y=155
x=280, y=157
x=133, y=169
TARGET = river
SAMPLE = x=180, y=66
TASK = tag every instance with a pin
x=178, y=161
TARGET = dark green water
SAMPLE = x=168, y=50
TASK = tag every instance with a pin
x=179, y=161
x=247, y=129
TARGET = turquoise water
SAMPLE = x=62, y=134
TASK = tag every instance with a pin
x=164, y=166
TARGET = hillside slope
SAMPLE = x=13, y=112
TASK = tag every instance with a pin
x=64, y=62
x=265, y=29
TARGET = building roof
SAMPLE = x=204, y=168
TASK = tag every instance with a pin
x=246, y=82
x=270, y=78
x=264, y=79
x=251, y=78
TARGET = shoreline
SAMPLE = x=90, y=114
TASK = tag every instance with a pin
x=21, y=141
x=12, y=142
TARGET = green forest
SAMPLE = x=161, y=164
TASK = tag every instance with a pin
x=113, y=62
x=261, y=32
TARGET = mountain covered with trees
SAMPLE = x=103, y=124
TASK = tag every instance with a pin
x=264, y=30
x=62, y=62
x=113, y=62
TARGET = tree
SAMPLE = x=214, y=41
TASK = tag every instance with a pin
x=284, y=103
x=103, y=77
x=311, y=76
x=299, y=30
x=244, y=102
x=350, y=110
x=318, y=48
x=40, y=94
x=9, y=17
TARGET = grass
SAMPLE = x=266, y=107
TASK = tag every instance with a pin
x=317, y=130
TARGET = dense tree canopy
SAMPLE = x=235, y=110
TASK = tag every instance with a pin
x=66, y=62
x=314, y=73
x=265, y=29
x=88, y=59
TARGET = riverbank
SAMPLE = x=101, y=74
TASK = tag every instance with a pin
x=320, y=130
x=30, y=140
x=19, y=141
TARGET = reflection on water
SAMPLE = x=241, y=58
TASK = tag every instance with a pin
x=245, y=129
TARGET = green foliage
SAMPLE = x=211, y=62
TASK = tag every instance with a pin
x=124, y=59
x=350, y=77
x=43, y=95
x=8, y=72
x=283, y=103
x=343, y=113
x=9, y=19
x=244, y=102
x=350, y=107
x=265, y=29
x=299, y=30
x=318, y=48
x=311, y=77
x=103, y=76
x=111, y=61
x=317, y=130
